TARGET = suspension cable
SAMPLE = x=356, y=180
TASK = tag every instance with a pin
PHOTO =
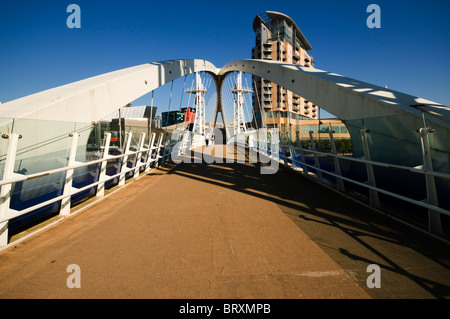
x=181, y=100
x=259, y=104
x=170, y=101
x=151, y=119
x=253, y=111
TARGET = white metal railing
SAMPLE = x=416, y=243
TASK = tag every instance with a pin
x=154, y=154
x=430, y=203
x=158, y=153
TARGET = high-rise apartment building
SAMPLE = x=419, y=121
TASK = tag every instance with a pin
x=279, y=38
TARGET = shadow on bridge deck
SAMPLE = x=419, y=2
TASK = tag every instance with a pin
x=198, y=230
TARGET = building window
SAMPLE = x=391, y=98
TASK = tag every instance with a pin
x=305, y=129
x=278, y=94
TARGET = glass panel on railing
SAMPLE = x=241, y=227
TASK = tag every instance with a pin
x=43, y=146
x=5, y=129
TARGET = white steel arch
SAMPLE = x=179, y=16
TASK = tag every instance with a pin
x=385, y=125
x=395, y=117
x=92, y=99
x=343, y=97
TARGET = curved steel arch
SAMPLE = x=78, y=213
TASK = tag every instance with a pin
x=92, y=99
x=343, y=97
x=393, y=118
x=388, y=121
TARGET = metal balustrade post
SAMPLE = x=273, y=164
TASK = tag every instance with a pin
x=158, y=150
x=337, y=166
x=123, y=167
x=150, y=153
x=316, y=158
x=137, y=165
x=65, y=202
x=262, y=142
x=284, y=149
x=373, y=195
x=263, y=145
x=6, y=190
x=302, y=156
x=102, y=174
x=284, y=152
x=434, y=218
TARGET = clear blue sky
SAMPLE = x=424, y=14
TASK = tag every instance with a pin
x=410, y=53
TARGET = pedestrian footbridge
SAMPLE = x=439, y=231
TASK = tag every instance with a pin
x=276, y=219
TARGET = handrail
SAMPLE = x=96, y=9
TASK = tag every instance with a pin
x=69, y=167
x=7, y=213
x=430, y=203
x=79, y=165
x=410, y=200
x=381, y=164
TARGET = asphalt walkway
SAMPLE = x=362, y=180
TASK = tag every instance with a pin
x=198, y=230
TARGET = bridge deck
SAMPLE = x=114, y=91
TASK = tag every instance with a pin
x=225, y=231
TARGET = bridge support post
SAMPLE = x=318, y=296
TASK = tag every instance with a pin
x=291, y=151
x=316, y=157
x=65, y=202
x=337, y=166
x=261, y=141
x=294, y=163
x=164, y=147
x=302, y=156
x=158, y=150
x=434, y=218
x=266, y=143
x=137, y=164
x=374, y=201
x=6, y=190
x=102, y=175
x=123, y=167
x=149, y=159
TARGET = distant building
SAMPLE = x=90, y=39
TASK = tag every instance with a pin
x=320, y=129
x=171, y=118
x=279, y=38
x=189, y=114
x=133, y=112
x=184, y=115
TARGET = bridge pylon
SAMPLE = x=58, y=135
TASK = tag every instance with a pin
x=198, y=129
x=238, y=92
